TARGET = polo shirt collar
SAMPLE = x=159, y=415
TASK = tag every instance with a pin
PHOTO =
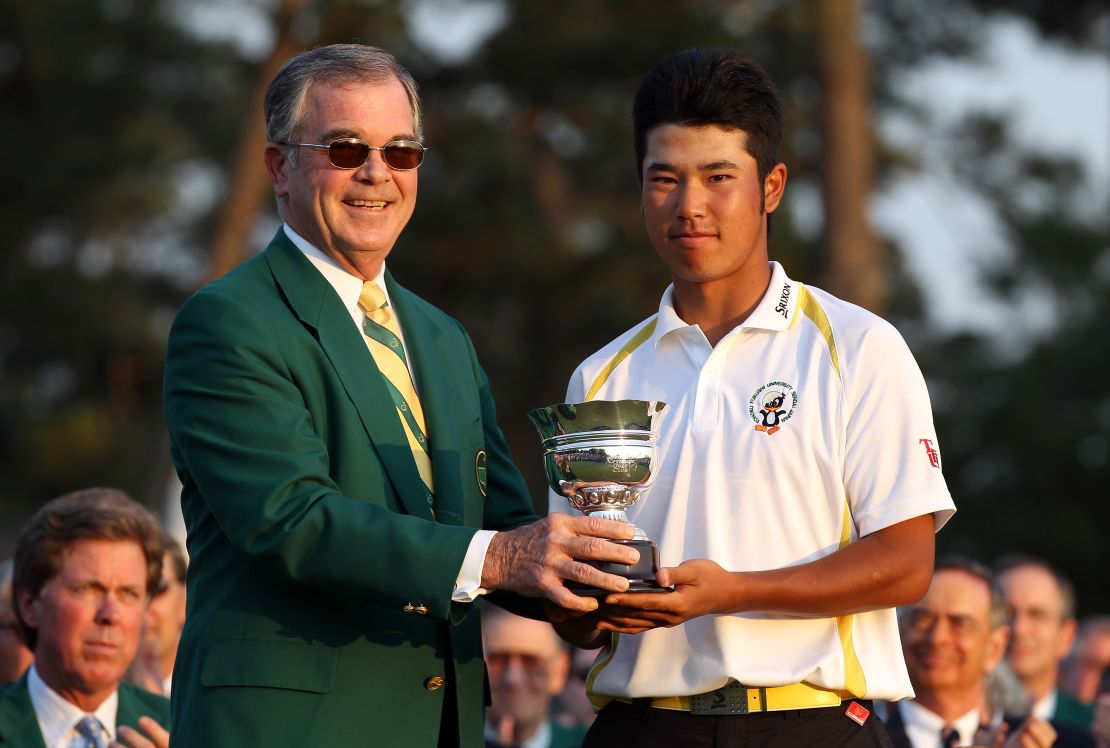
x=775, y=311
x=667, y=321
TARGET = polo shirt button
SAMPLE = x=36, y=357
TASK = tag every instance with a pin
x=404, y=407
x=434, y=683
x=393, y=343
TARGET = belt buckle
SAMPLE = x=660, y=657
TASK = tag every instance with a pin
x=730, y=699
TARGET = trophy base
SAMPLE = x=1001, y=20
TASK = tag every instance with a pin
x=640, y=575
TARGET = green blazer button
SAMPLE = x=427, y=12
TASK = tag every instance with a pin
x=434, y=683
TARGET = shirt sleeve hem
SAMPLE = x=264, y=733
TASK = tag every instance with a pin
x=938, y=503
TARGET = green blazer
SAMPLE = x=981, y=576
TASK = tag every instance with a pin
x=567, y=737
x=19, y=727
x=1072, y=711
x=319, y=584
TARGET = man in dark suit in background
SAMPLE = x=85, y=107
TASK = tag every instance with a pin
x=86, y=567
x=343, y=471
x=953, y=639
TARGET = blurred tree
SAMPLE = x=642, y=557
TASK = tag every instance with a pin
x=249, y=188
x=1023, y=414
x=1026, y=431
x=855, y=259
x=115, y=123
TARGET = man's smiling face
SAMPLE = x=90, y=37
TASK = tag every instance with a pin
x=352, y=215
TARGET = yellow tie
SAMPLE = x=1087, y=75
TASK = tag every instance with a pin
x=383, y=336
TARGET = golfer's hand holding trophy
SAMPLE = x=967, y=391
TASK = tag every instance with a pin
x=601, y=456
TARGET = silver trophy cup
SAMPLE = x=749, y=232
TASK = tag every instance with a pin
x=601, y=456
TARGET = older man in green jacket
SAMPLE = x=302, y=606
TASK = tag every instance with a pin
x=344, y=475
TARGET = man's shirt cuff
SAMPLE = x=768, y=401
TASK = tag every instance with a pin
x=468, y=585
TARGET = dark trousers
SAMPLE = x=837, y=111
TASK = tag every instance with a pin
x=639, y=725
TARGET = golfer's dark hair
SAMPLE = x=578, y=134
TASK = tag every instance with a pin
x=710, y=87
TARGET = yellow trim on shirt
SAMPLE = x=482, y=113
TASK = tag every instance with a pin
x=854, y=680
x=599, y=700
x=642, y=336
x=812, y=309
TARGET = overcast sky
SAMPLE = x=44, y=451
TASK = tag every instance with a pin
x=1059, y=101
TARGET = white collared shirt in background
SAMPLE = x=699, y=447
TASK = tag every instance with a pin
x=58, y=717
x=541, y=738
x=1045, y=707
x=349, y=287
x=924, y=728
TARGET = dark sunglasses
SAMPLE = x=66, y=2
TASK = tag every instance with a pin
x=351, y=153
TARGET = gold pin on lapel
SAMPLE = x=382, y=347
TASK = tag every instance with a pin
x=480, y=470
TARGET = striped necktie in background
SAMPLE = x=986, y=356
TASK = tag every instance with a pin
x=90, y=729
x=384, y=338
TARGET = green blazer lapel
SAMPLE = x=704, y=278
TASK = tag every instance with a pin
x=130, y=708
x=316, y=304
x=134, y=702
x=18, y=724
x=432, y=349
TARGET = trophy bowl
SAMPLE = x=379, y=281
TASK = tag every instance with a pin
x=600, y=455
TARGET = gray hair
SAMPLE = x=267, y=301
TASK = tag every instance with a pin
x=336, y=63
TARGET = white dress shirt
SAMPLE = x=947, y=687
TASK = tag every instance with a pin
x=541, y=738
x=924, y=728
x=1045, y=707
x=349, y=288
x=57, y=717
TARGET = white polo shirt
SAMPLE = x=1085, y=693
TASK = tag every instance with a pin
x=805, y=428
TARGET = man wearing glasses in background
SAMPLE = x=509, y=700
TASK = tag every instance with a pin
x=343, y=472
x=953, y=641
x=528, y=667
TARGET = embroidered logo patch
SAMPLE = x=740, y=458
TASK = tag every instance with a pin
x=931, y=452
x=858, y=713
x=772, y=405
x=480, y=470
